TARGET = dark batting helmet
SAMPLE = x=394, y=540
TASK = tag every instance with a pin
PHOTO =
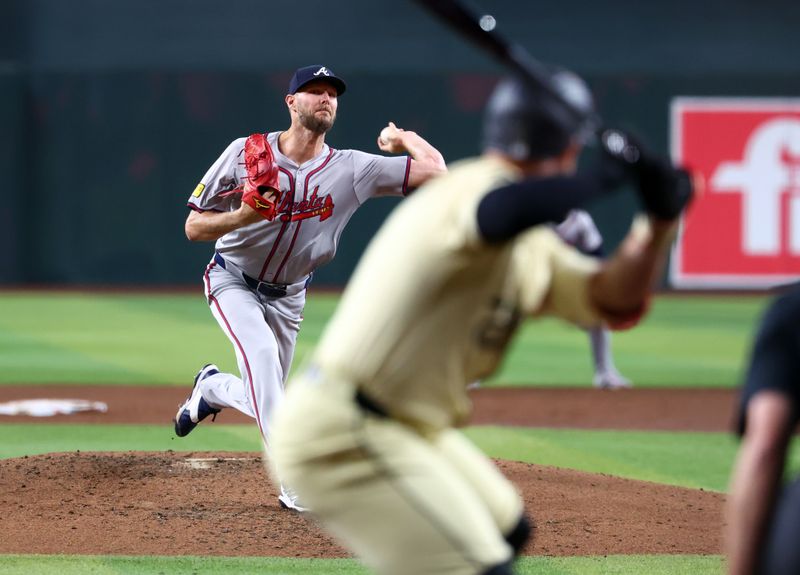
x=527, y=122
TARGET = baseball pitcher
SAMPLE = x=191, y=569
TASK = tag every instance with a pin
x=276, y=205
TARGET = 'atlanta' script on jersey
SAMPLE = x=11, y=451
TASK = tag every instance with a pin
x=312, y=207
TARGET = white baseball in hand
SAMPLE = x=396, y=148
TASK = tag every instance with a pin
x=386, y=135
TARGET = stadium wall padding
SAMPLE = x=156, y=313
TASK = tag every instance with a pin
x=112, y=111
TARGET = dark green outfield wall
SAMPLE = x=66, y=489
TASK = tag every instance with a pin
x=111, y=111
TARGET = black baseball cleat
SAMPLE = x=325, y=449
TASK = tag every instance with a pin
x=195, y=409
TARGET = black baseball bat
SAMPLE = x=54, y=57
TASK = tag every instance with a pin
x=464, y=20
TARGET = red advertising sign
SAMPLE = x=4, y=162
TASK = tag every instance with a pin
x=744, y=230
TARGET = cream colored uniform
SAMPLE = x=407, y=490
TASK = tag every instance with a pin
x=430, y=308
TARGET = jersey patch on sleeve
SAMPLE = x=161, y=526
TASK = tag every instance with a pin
x=198, y=190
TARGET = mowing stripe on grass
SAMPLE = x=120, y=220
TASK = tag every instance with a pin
x=17, y=440
x=161, y=339
x=695, y=460
x=123, y=565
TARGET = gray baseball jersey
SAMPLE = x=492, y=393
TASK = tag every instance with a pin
x=316, y=201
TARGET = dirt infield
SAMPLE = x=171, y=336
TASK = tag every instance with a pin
x=223, y=504
x=581, y=408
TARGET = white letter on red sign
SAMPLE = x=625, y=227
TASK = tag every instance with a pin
x=762, y=177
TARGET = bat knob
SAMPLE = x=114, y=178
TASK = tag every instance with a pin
x=620, y=145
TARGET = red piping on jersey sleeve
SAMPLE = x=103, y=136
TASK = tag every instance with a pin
x=405, y=191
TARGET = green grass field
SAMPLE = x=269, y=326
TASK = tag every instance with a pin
x=83, y=565
x=156, y=339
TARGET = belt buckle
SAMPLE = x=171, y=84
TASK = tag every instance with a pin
x=271, y=290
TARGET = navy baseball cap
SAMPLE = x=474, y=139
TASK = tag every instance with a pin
x=303, y=76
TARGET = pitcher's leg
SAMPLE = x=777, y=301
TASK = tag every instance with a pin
x=240, y=315
x=243, y=318
x=284, y=317
x=226, y=390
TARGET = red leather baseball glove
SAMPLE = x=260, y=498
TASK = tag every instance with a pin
x=262, y=176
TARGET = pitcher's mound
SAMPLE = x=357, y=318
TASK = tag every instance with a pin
x=171, y=503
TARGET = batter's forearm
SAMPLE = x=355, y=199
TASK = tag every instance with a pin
x=623, y=284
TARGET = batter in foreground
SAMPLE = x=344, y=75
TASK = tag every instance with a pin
x=366, y=434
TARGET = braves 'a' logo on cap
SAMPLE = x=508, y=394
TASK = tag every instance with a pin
x=324, y=71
